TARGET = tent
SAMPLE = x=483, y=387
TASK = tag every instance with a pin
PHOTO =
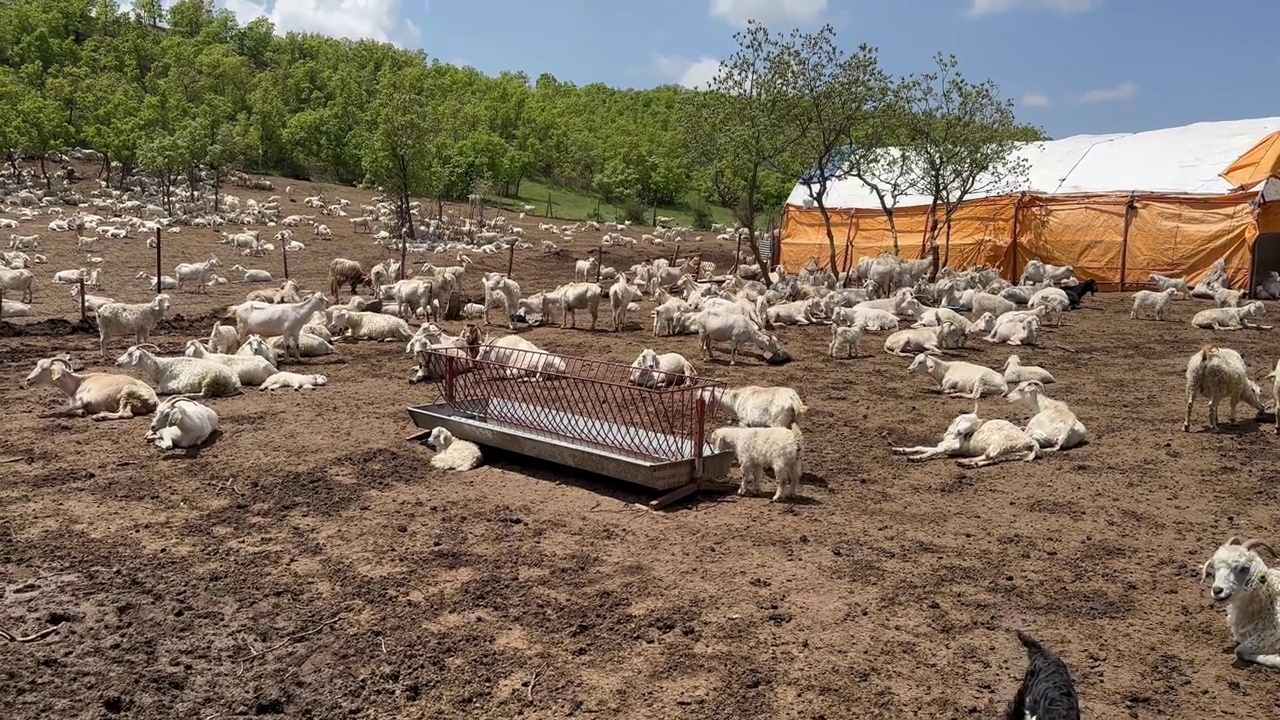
x=1117, y=207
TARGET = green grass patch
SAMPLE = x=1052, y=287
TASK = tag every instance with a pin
x=568, y=205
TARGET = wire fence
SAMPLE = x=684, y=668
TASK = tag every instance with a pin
x=601, y=405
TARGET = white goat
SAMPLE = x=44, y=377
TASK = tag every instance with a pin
x=846, y=340
x=182, y=375
x=1163, y=283
x=283, y=319
x=573, y=297
x=1274, y=377
x=1017, y=332
x=1219, y=374
x=297, y=381
x=960, y=378
x=250, y=369
x=523, y=360
x=369, y=325
x=759, y=406
x=980, y=442
x=1052, y=425
x=1226, y=297
x=1231, y=318
x=1155, y=302
x=181, y=422
x=1251, y=592
x=502, y=292
x=452, y=453
x=1015, y=372
x=198, y=272
x=621, y=295
x=735, y=330
x=138, y=318
x=652, y=370
x=104, y=396
x=757, y=449
x=913, y=341
x=252, y=276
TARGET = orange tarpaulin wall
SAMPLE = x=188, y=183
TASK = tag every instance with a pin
x=1105, y=237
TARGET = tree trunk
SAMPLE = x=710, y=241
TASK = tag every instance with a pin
x=217, y=184
x=831, y=236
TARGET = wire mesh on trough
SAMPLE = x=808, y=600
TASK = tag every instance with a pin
x=592, y=404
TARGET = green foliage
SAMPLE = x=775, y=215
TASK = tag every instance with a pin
x=702, y=215
x=182, y=88
x=310, y=106
x=633, y=211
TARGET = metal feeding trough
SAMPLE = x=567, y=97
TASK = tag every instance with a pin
x=581, y=413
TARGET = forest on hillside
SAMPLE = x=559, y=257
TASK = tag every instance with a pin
x=189, y=89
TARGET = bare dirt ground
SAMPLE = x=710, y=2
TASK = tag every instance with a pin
x=311, y=564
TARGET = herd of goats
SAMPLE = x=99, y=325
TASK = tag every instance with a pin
x=273, y=326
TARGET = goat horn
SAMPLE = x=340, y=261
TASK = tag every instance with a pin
x=1233, y=540
x=62, y=361
x=1252, y=543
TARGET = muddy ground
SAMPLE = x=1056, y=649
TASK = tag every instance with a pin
x=310, y=564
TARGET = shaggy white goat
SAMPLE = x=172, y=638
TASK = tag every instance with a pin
x=1015, y=372
x=960, y=378
x=1225, y=297
x=138, y=318
x=871, y=319
x=297, y=381
x=764, y=448
x=104, y=396
x=1231, y=318
x=1219, y=374
x=846, y=340
x=181, y=375
x=452, y=453
x=1053, y=425
x=181, y=422
x=980, y=442
x=1251, y=592
x=1155, y=302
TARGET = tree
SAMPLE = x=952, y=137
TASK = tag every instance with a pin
x=960, y=142
x=165, y=156
x=876, y=156
x=744, y=124
x=834, y=93
x=399, y=133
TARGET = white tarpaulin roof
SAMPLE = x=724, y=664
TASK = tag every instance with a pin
x=1181, y=160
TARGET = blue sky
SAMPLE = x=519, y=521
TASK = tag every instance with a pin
x=1072, y=66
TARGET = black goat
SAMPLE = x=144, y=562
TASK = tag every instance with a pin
x=1047, y=691
x=1076, y=294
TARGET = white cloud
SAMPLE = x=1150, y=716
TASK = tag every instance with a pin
x=1036, y=100
x=979, y=8
x=1123, y=91
x=770, y=12
x=696, y=74
x=382, y=20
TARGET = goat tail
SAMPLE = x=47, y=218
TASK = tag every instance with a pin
x=1032, y=645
